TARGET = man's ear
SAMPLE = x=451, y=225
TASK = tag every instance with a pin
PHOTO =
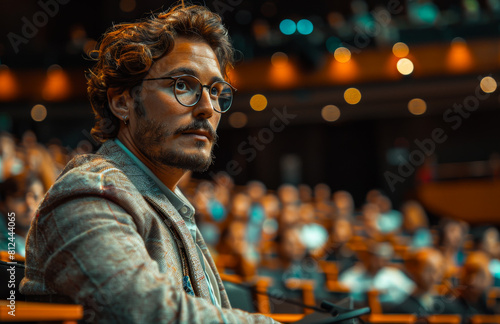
x=121, y=103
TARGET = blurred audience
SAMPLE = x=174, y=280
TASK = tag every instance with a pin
x=475, y=281
x=425, y=268
x=300, y=233
x=374, y=272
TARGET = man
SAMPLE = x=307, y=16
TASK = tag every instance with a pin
x=115, y=233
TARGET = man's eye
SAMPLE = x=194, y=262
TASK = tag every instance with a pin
x=181, y=85
x=214, y=91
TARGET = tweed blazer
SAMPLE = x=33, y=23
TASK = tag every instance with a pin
x=106, y=237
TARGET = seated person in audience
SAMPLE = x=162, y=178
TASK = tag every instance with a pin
x=305, y=193
x=237, y=253
x=256, y=191
x=20, y=196
x=370, y=215
x=10, y=164
x=374, y=273
x=337, y=248
x=224, y=186
x=325, y=209
x=312, y=234
x=425, y=268
x=288, y=195
x=475, y=282
x=389, y=220
x=345, y=204
x=415, y=225
x=486, y=239
x=452, y=235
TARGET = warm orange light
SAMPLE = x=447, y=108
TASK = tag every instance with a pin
x=459, y=58
x=57, y=85
x=258, y=102
x=352, y=96
x=417, y=106
x=343, y=72
x=9, y=89
x=38, y=113
x=342, y=54
x=330, y=113
x=400, y=50
x=279, y=59
x=238, y=119
x=488, y=84
x=283, y=74
x=233, y=78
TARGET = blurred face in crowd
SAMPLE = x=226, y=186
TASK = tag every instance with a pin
x=291, y=245
x=426, y=269
x=236, y=239
x=453, y=235
x=344, y=202
x=256, y=190
x=413, y=217
x=476, y=276
x=271, y=205
x=240, y=206
x=490, y=244
x=288, y=194
x=34, y=196
x=342, y=231
x=321, y=192
x=289, y=215
x=306, y=213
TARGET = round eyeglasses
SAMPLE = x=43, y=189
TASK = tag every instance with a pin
x=188, y=89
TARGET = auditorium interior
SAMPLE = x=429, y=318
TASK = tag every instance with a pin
x=362, y=145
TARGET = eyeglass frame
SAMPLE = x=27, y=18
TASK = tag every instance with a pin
x=209, y=87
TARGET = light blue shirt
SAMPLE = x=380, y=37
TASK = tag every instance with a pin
x=181, y=204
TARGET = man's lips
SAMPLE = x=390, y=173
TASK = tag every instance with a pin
x=199, y=132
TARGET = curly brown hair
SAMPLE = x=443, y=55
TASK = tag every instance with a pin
x=127, y=51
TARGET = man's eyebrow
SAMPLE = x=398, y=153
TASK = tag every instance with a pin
x=185, y=70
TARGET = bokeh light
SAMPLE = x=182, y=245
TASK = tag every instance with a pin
x=352, y=96
x=400, y=50
x=342, y=54
x=330, y=113
x=57, y=84
x=279, y=58
x=38, y=113
x=9, y=88
x=405, y=66
x=288, y=27
x=305, y=27
x=258, y=102
x=417, y=106
x=238, y=119
x=488, y=84
x=459, y=58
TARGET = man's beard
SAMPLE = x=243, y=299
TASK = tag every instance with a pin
x=150, y=136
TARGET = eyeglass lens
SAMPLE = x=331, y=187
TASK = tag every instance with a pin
x=188, y=90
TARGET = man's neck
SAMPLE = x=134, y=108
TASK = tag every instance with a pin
x=168, y=175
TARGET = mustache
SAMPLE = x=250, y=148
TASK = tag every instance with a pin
x=199, y=124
